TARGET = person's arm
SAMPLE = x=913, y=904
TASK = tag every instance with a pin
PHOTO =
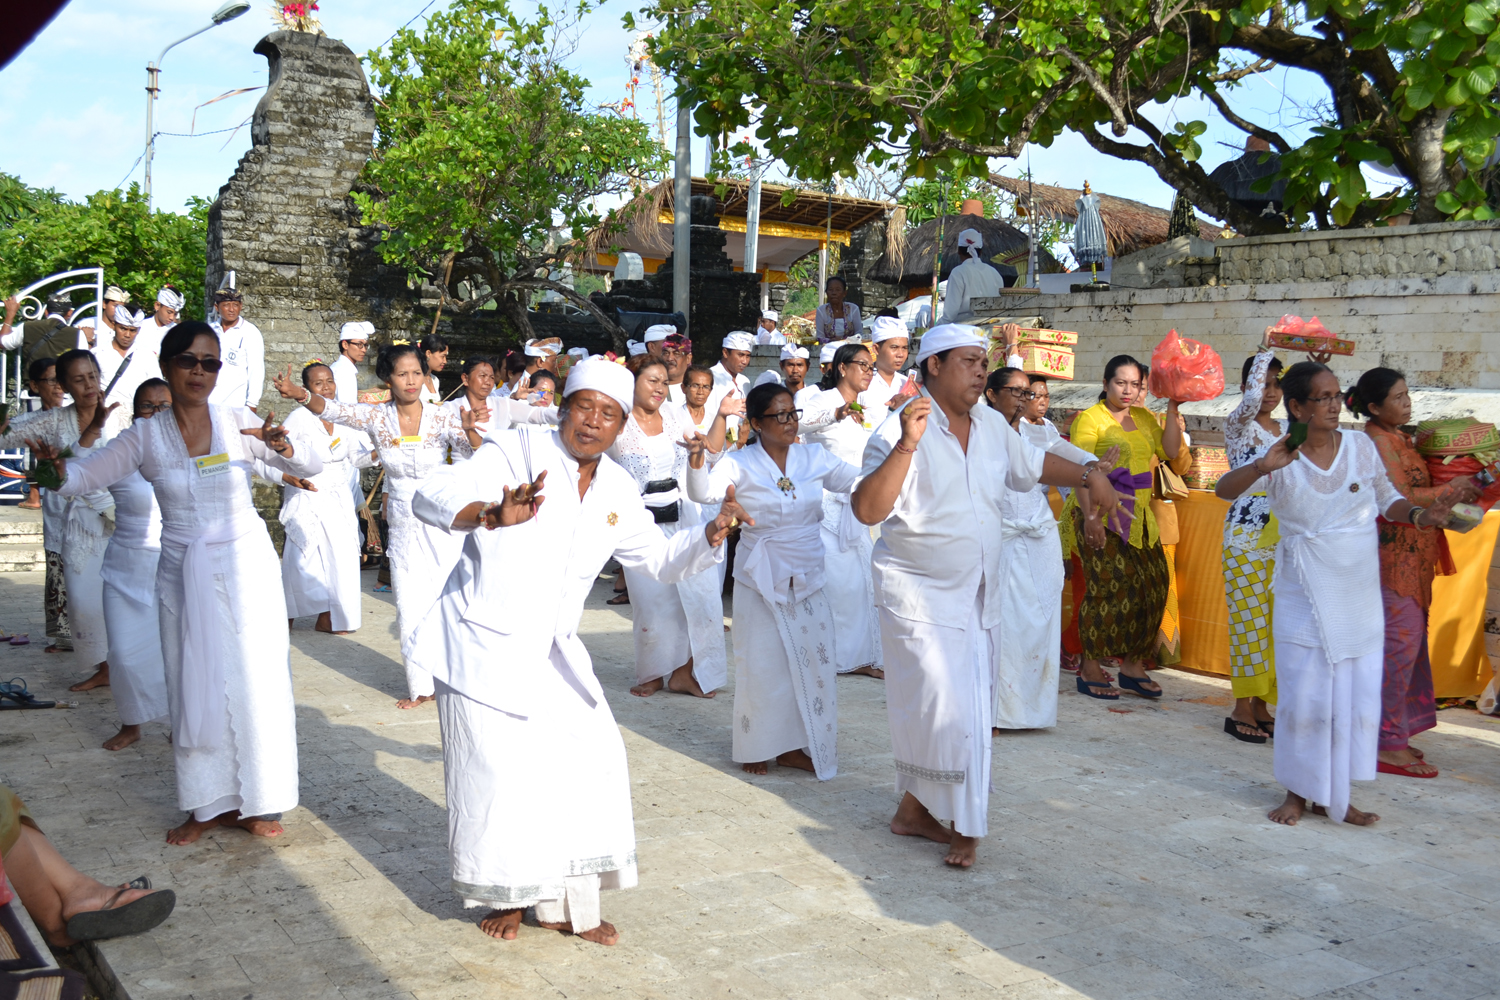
x=875, y=497
x=1171, y=436
x=101, y=469
x=275, y=447
x=705, y=483
x=10, y=337
x=1248, y=408
x=1233, y=484
x=456, y=497
x=255, y=367
x=1460, y=490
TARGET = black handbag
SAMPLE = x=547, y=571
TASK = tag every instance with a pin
x=668, y=513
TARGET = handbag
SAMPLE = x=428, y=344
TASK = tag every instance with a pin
x=1169, y=485
x=667, y=513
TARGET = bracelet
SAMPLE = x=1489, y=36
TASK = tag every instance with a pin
x=1415, y=513
x=904, y=451
x=1083, y=483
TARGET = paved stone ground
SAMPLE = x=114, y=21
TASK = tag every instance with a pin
x=1130, y=857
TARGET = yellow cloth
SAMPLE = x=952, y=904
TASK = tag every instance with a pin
x=1095, y=431
x=1455, y=625
x=1202, y=610
x=1169, y=637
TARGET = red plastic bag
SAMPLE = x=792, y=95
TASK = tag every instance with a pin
x=1462, y=465
x=1185, y=370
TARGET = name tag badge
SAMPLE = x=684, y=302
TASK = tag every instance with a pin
x=212, y=465
x=335, y=443
x=411, y=442
x=232, y=356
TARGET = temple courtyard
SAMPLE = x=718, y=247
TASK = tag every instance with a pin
x=1129, y=855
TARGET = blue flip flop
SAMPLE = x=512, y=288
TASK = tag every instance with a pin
x=1084, y=687
x=1136, y=685
x=14, y=691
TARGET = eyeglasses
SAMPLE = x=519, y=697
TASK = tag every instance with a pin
x=1019, y=392
x=785, y=416
x=188, y=362
x=149, y=408
x=47, y=381
x=1335, y=401
x=861, y=365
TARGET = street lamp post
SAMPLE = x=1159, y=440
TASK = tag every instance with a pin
x=228, y=12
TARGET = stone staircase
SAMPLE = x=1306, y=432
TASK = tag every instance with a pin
x=20, y=540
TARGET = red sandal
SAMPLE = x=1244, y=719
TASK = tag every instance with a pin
x=1381, y=767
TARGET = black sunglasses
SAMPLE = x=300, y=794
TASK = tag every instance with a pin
x=188, y=362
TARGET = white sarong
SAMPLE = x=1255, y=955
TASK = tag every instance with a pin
x=848, y=586
x=938, y=697
x=784, y=679
x=1031, y=605
x=675, y=621
x=1327, y=723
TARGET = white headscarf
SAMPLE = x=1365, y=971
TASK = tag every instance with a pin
x=947, y=336
x=770, y=314
x=661, y=331
x=169, y=298
x=825, y=356
x=767, y=376
x=635, y=347
x=543, y=348
x=887, y=328
x=790, y=351
x=578, y=352
x=124, y=317
x=739, y=340
x=357, y=330
x=603, y=375
x=971, y=241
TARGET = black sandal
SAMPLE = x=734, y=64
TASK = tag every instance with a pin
x=1232, y=727
x=623, y=597
x=15, y=691
x=136, y=917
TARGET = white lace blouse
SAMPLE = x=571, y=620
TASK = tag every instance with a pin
x=407, y=460
x=1245, y=440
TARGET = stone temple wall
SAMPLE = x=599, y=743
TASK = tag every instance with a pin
x=283, y=220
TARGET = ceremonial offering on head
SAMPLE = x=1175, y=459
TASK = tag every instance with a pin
x=1185, y=370
x=1208, y=465
x=1293, y=333
x=1043, y=352
x=799, y=330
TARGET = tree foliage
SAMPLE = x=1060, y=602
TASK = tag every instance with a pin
x=139, y=249
x=945, y=85
x=488, y=162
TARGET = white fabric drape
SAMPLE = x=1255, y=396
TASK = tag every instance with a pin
x=320, y=561
x=137, y=674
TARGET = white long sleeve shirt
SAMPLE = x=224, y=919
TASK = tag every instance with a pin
x=242, y=380
x=942, y=538
x=345, y=380
x=970, y=280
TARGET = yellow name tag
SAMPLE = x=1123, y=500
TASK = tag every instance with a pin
x=335, y=443
x=212, y=465
x=411, y=441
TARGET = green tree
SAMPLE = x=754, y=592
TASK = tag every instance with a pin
x=945, y=85
x=139, y=249
x=927, y=199
x=488, y=163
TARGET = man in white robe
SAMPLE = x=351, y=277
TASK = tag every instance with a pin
x=970, y=280
x=164, y=316
x=242, y=349
x=730, y=379
x=935, y=477
x=525, y=724
x=766, y=332
x=123, y=363
x=892, y=344
x=354, y=345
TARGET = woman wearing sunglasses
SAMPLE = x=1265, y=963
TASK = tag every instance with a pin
x=234, y=734
x=1032, y=561
x=412, y=438
x=785, y=643
x=836, y=420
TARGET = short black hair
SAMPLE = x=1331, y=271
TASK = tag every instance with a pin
x=68, y=359
x=385, y=364
x=307, y=373
x=181, y=337
x=472, y=363
x=38, y=368
x=140, y=390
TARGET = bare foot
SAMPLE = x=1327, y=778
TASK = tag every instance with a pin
x=649, y=688
x=962, y=851
x=502, y=924
x=797, y=759
x=325, y=624
x=99, y=680
x=870, y=670
x=190, y=831
x=1352, y=815
x=682, y=681
x=126, y=736
x=756, y=767
x=913, y=820
x=1409, y=760
x=1092, y=672
x=414, y=702
x=604, y=934
x=1290, y=810
x=254, y=825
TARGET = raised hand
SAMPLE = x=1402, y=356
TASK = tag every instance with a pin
x=914, y=421
x=1107, y=462
x=274, y=436
x=729, y=512
x=288, y=389
x=517, y=506
x=1278, y=456
x=471, y=419
x=731, y=406
x=696, y=443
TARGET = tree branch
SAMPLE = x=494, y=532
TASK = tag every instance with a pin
x=1243, y=125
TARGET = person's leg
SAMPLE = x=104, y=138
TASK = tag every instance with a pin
x=1247, y=593
x=1405, y=645
x=1145, y=584
x=53, y=890
x=578, y=912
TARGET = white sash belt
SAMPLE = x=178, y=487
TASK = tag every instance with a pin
x=202, y=706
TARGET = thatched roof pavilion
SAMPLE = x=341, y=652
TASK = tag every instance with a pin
x=1128, y=225
x=908, y=257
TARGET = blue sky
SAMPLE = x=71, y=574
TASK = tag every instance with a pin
x=74, y=101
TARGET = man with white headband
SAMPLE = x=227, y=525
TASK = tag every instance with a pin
x=541, y=353
x=242, y=349
x=892, y=344
x=124, y=363
x=164, y=316
x=655, y=338
x=933, y=480
x=354, y=345
x=793, y=366
x=970, y=280
x=766, y=332
x=537, y=738
x=634, y=348
x=729, y=377
x=88, y=326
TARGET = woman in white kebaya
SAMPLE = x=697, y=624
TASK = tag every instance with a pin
x=320, y=561
x=229, y=681
x=837, y=420
x=1329, y=624
x=533, y=407
x=679, y=627
x=88, y=519
x=412, y=438
x=138, y=676
x=785, y=637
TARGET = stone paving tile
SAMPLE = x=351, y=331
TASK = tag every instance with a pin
x=1129, y=857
